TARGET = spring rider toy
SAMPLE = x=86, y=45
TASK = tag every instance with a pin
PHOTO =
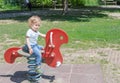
x=51, y=55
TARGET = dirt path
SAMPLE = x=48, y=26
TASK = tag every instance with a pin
x=114, y=15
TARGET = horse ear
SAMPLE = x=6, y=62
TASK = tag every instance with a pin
x=59, y=36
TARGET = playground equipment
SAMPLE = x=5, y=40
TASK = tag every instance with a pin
x=51, y=55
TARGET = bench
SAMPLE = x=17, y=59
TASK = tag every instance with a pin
x=22, y=53
x=109, y=2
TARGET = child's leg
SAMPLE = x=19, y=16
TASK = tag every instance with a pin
x=37, y=54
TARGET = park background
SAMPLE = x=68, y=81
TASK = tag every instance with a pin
x=17, y=4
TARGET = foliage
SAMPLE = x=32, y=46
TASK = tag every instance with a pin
x=39, y=3
x=91, y=2
x=45, y=3
x=9, y=4
x=77, y=2
x=1, y=4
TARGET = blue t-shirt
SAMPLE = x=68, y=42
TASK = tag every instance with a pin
x=33, y=36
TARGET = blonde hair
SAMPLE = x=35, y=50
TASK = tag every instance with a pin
x=34, y=20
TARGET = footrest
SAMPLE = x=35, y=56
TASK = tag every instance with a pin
x=21, y=52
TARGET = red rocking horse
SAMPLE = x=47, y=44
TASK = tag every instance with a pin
x=52, y=55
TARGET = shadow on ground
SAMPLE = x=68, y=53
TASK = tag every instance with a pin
x=17, y=77
x=20, y=76
x=74, y=15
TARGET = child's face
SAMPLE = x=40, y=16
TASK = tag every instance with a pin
x=35, y=26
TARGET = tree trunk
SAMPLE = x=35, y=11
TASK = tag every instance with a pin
x=65, y=6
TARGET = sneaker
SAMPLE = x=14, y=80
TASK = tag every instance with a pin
x=39, y=70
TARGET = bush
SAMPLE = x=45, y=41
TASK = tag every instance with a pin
x=77, y=3
x=91, y=2
x=118, y=2
x=1, y=4
x=11, y=4
x=39, y=3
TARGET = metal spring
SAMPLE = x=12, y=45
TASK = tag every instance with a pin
x=33, y=76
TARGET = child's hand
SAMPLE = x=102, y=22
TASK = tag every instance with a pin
x=30, y=51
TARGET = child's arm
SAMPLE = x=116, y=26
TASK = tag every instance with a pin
x=28, y=44
x=42, y=35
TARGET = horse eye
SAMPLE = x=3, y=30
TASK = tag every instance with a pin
x=61, y=37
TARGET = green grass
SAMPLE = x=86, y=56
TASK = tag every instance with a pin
x=96, y=32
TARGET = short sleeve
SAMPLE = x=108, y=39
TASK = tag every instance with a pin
x=38, y=33
x=28, y=33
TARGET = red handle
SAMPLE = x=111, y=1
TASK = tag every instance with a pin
x=52, y=55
